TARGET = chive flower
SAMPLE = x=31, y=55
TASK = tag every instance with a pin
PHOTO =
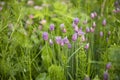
x=58, y=39
x=50, y=42
x=45, y=36
x=52, y=26
x=74, y=37
x=76, y=21
x=104, y=22
x=106, y=75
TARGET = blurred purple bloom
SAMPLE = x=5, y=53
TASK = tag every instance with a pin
x=94, y=25
x=64, y=30
x=106, y=76
x=58, y=39
x=69, y=45
x=87, y=46
x=104, y=22
x=76, y=21
x=50, y=42
x=76, y=28
x=92, y=29
x=87, y=29
x=62, y=42
x=80, y=32
x=83, y=38
x=101, y=33
x=92, y=15
x=52, y=26
x=65, y=40
x=108, y=65
x=45, y=35
x=74, y=37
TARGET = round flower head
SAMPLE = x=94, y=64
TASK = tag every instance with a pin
x=74, y=37
x=65, y=40
x=45, y=35
x=92, y=29
x=101, y=33
x=58, y=39
x=87, y=46
x=106, y=76
x=64, y=30
x=50, y=42
x=108, y=65
x=94, y=25
x=76, y=28
x=87, y=29
x=80, y=32
x=92, y=15
x=76, y=21
x=69, y=45
x=52, y=27
x=104, y=22
x=62, y=42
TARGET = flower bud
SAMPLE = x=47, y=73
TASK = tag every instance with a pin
x=69, y=45
x=104, y=22
x=108, y=65
x=74, y=37
x=106, y=76
x=65, y=40
x=58, y=39
x=52, y=27
x=87, y=46
x=94, y=25
x=101, y=33
x=45, y=35
x=64, y=30
x=92, y=29
x=76, y=21
x=87, y=29
x=50, y=42
x=92, y=15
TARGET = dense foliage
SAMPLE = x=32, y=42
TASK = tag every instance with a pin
x=59, y=40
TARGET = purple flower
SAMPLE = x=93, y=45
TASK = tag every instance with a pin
x=104, y=22
x=76, y=28
x=92, y=15
x=94, y=25
x=74, y=25
x=108, y=65
x=83, y=38
x=74, y=37
x=65, y=40
x=87, y=29
x=80, y=32
x=101, y=33
x=69, y=45
x=62, y=42
x=106, y=76
x=52, y=26
x=58, y=39
x=45, y=35
x=92, y=29
x=87, y=46
x=50, y=42
x=76, y=21
x=64, y=30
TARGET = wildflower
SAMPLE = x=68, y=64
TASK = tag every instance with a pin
x=106, y=76
x=76, y=28
x=87, y=46
x=83, y=38
x=94, y=25
x=52, y=27
x=104, y=22
x=45, y=35
x=65, y=40
x=64, y=30
x=50, y=42
x=80, y=32
x=58, y=39
x=101, y=33
x=74, y=37
x=76, y=21
x=92, y=29
x=87, y=29
x=108, y=65
x=62, y=42
x=92, y=15
x=69, y=45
